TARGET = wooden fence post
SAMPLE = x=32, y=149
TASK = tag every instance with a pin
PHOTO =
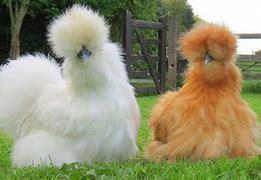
x=127, y=40
x=172, y=37
x=162, y=53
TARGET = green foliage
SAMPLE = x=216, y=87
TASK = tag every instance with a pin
x=198, y=19
x=182, y=11
x=258, y=52
x=180, y=81
x=40, y=12
x=112, y=10
x=139, y=66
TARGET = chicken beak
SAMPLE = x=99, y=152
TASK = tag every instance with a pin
x=208, y=59
x=84, y=54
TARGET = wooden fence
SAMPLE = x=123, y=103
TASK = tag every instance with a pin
x=156, y=63
x=160, y=69
x=250, y=64
x=164, y=67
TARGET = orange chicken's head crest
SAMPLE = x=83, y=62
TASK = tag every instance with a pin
x=208, y=43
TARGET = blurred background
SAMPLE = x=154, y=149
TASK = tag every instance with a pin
x=24, y=23
x=39, y=13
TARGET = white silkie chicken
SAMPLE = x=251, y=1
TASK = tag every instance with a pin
x=85, y=112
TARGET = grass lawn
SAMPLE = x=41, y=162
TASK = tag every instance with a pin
x=139, y=168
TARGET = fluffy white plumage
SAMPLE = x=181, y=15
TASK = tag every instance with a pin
x=86, y=113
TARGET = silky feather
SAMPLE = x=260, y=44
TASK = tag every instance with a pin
x=206, y=118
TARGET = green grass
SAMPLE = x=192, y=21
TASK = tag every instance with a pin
x=252, y=86
x=139, y=168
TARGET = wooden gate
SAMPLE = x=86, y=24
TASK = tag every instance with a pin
x=250, y=64
x=156, y=64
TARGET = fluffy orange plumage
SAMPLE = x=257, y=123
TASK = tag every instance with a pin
x=206, y=118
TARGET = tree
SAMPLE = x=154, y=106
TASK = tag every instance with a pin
x=36, y=14
x=258, y=52
x=181, y=10
x=198, y=19
x=17, y=11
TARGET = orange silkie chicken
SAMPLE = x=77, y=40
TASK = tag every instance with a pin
x=206, y=118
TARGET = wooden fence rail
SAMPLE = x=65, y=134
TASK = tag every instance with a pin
x=249, y=36
x=146, y=24
x=249, y=57
x=250, y=64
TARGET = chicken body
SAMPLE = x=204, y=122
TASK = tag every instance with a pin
x=84, y=112
x=206, y=118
